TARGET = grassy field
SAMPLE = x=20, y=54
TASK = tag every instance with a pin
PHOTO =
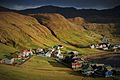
x=39, y=68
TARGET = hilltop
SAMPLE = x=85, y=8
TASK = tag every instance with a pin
x=91, y=15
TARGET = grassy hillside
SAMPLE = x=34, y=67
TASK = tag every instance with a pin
x=77, y=20
x=109, y=30
x=20, y=32
x=66, y=31
x=5, y=50
x=23, y=31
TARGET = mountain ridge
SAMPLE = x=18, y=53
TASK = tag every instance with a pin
x=69, y=12
x=110, y=15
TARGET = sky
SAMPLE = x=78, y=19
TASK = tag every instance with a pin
x=80, y=4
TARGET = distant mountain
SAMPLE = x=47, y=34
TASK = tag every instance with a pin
x=117, y=8
x=3, y=9
x=67, y=12
x=93, y=15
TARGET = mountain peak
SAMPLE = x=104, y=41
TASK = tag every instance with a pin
x=117, y=7
x=4, y=9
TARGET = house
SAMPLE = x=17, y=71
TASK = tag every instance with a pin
x=56, y=51
x=48, y=54
x=92, y=46
x=106, y=48
x=59, y=55
x=73, y=52
x=8, y=60
x=1, y=61
x=39, y=50
x=16, y=55
x=27, y=53
x=58, y=47
x=76, y=65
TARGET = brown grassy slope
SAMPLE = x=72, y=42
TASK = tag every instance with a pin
x=77, y=20
x=110, y=30
x=66, y=31
x=21, y=31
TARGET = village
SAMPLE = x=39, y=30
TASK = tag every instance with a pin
x=106, y=46
x=70, y=59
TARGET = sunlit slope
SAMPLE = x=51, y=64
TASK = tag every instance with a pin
x=77, y=20
x=66, y=31
x=21, y=31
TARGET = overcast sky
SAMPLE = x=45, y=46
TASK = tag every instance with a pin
x=96, y=4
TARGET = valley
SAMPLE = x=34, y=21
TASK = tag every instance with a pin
x=48, y=26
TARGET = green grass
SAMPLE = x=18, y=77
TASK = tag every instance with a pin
x=39, y=68
x=5, y=50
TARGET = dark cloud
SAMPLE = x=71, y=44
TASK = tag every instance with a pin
x=21, y=4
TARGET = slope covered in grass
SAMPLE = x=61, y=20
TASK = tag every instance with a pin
x=77, y=20
x=20, y=32
x=23, y=31
x=5, y=50
x=66, y=31
x=109, y=30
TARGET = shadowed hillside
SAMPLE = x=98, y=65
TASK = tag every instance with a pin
x=4, y=9
x=110, y=30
